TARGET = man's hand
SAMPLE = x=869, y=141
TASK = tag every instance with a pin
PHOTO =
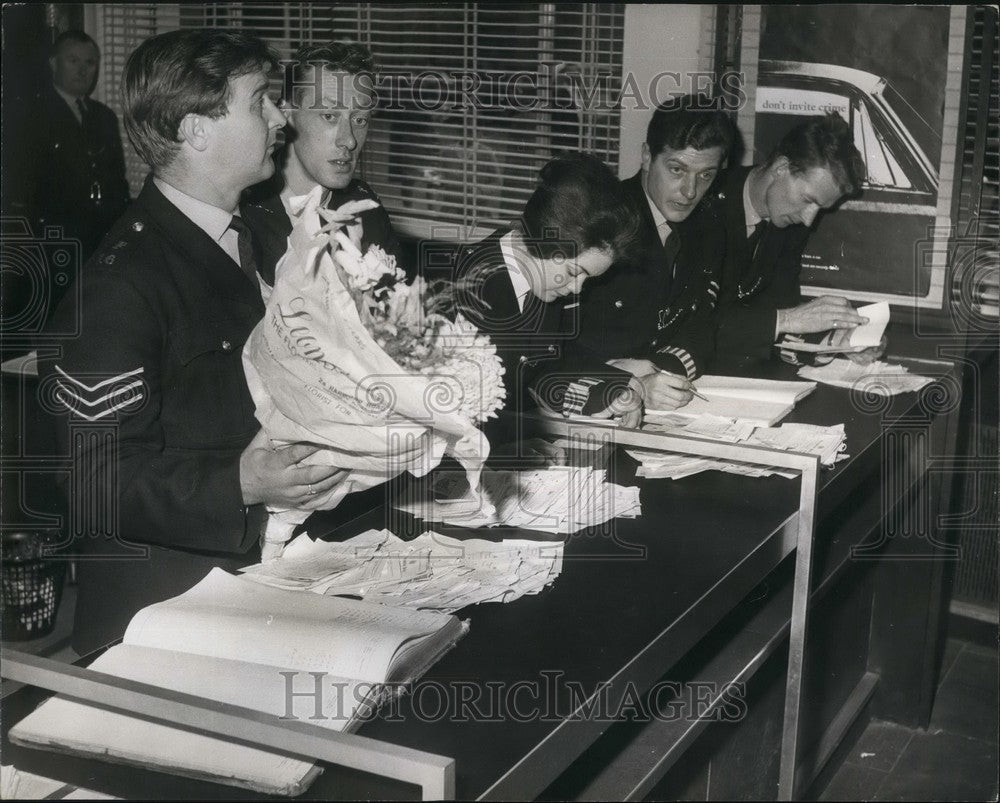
x=665, y=391
x=819, y=315
x=638, y=368
x=277, y=477
x=869, y=355
x=627, y=406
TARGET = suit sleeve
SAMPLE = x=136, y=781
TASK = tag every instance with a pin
x=580, y=384
x=111, y=380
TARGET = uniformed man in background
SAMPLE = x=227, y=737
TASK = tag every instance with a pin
x=160, y=421
x=655, y=316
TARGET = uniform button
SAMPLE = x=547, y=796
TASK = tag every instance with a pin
x=523, y=359
x=551, y=349
x=654, y=342
x=138, y=226
x=694, y=306
x=722, y=196
x=618, y=303
x=227, y=346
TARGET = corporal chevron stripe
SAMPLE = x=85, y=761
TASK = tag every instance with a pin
x=97, y=401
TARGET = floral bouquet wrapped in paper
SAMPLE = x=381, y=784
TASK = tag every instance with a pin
x=351, y=358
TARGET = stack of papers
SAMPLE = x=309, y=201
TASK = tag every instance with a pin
x=879, y=378
x=559, y=499
x=826, y=442
x=432, y=571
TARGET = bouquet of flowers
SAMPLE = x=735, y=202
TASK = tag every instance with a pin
x=351, y=358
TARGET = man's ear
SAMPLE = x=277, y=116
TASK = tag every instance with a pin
x=646, y=157
x=52, y=65
x=286, y=108
x=194, y=130
x=780, y=166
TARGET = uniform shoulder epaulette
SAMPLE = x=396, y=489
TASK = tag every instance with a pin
x=119, y=241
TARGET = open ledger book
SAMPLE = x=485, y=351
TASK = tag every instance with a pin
x=243, y=643
x=763, y=402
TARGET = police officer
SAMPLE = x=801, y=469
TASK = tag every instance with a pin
x=516, y=284
x=655, y=315
x=768, y=210
x=159, y=417
x=329, y=100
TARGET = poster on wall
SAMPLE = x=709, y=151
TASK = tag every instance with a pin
x=896, y=80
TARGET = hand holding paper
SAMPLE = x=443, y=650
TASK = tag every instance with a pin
x=864, y=342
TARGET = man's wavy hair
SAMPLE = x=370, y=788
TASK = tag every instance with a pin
x=690, y=121
x=824, y=141
x=184, y=72
x=346, y=57
x=580, y=201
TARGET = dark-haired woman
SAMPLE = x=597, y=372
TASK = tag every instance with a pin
x=518, y=285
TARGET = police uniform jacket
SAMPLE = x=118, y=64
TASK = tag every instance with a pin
x=264, y=212
x=659, y=305
x=758, y=279
x=157, y=413
x=75, y=172
x=531, y=342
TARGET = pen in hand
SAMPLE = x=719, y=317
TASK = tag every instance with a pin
x=694, y=390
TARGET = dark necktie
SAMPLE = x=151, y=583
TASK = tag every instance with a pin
x=671, y=247
x=753, y=241
x=86, y=120
x=244, y=240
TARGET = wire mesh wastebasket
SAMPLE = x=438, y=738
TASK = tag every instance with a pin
x=32, y=586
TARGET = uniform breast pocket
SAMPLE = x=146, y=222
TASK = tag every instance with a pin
x=205, y=397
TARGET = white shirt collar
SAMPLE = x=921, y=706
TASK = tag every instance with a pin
x=518, y=280
x=752, y=218
x=662, y=224
x=210, y=219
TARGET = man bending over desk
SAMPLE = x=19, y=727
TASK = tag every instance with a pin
x=768, y=210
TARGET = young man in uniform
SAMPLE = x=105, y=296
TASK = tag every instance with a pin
x=768, y=210
x=329, y=100
x=654, y=317
x=170, y=468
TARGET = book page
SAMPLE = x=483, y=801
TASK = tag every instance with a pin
x=72, y=726
x=753, y=388
x=229, y=617
x=759, y=411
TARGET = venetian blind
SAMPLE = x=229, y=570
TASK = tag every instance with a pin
x=120, y=27
x=474, y=97
x=976, y=260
